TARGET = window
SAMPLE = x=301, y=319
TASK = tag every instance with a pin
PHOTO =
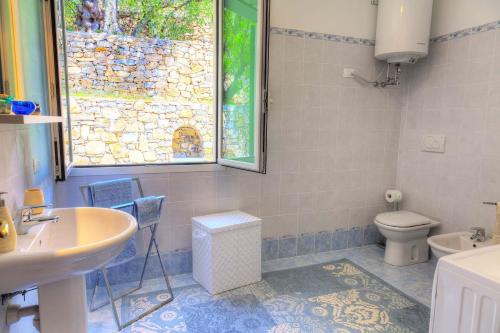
x=242, y=83
x=155, y=82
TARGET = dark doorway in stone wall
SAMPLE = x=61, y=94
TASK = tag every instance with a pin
x=187, y=143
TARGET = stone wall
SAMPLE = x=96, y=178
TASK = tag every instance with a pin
x=125, y=131
x=175, y=70
x=136, y=100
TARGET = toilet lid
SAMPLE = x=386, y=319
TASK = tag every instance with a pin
x=402, y=219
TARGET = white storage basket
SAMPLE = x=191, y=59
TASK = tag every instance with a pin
x=226, y=250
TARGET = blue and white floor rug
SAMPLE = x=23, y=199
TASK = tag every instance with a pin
x=336, y=297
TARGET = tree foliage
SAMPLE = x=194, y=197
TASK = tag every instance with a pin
x=172, y=19
x=70, y=12
x=239, y=57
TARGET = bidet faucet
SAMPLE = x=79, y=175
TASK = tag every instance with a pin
x=25, y=219
x=478, y=234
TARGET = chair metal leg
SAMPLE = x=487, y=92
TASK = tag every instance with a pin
x=165, y=276
x=150, y=245
x=97, y=307
x=152, y=242
x=91, y=306
x=110, y=294
x=112, y=299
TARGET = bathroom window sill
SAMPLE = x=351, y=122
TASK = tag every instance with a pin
x=143, y=169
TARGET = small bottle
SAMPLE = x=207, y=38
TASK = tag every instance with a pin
x=8, y=234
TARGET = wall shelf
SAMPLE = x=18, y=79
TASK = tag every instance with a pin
x=26, y=120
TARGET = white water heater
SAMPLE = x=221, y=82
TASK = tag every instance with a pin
x=403, y=30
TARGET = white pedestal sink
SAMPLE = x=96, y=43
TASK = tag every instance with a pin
x=55, y=256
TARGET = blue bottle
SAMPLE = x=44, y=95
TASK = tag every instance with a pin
x=23, y=107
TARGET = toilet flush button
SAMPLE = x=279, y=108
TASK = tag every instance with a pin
x=434, y=143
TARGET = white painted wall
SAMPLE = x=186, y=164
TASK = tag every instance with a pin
x=355, y=18
x=453, y=15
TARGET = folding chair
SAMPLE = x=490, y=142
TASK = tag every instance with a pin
x=124, y=201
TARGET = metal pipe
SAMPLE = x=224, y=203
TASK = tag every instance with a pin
x=389, y=80
x=362, y=79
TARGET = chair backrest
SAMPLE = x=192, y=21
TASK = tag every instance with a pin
x=116, y=193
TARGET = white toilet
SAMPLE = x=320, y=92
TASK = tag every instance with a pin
x=406, y=233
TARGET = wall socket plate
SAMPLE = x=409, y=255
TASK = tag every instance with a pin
x=348, y=72
x=434, y=143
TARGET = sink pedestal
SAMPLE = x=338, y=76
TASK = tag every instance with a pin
x=63, y=306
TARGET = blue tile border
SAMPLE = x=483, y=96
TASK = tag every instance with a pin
x=180, y=261
x=175, y=262
x=467, y=32
x=306, y=244
x=323, y=241
x=340, y=239
x=371, y=42
x=372, y=235
x=322, y=36
x=269, y=249
x=356, y=237
x=287, y=247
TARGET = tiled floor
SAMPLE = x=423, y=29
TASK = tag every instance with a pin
x=415, y=281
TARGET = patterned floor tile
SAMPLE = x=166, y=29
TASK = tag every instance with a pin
x=343, y=291
x=242, y=313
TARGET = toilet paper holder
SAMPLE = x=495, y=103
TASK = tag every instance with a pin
x=394, y=197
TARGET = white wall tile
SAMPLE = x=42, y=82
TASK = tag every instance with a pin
x=332, y=150
x=451, y=186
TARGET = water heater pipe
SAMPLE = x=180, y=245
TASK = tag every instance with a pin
x=389, y=80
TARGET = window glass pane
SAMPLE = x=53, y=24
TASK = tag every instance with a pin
x=239, y=78
x=141, y=81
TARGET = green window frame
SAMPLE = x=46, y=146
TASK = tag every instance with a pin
x=243, y=76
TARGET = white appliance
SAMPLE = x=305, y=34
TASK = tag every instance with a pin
x=403, y=30
x=466, y=292
x=226, y=250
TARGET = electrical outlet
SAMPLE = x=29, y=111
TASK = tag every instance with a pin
x=348, y=72
x=434, y=143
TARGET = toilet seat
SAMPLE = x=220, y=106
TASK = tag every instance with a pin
x=402, y=219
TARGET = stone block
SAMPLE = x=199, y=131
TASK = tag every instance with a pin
x=129, y=138
x=139, y=105
x=109, y=137
x=150, y=156
x=136, y=156
x=95, y=148
x=186, y=114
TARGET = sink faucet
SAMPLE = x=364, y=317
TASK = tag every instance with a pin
x=478, y=234
x=26, y=220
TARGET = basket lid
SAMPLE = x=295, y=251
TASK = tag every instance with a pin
x=226, y=221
